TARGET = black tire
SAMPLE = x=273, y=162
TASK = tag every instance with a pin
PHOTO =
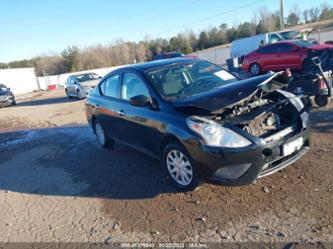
x=78, y=94
x=321, y=100
x=193, y=183
x=107, y=142
x=255, y=69
x=14, y=102
x=67, y=94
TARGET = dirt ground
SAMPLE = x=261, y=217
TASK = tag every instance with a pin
x=57, y=184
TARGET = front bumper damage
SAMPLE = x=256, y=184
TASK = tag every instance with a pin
x=236, y=167
x=6, y=101
x=265, y=156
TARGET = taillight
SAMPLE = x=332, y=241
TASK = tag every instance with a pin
x=322, y=84
x=288, y=72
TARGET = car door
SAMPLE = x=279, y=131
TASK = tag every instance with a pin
x=267, y=57
x=290, y=57
x=139, y=124
x=107, y=108
x=73, y=81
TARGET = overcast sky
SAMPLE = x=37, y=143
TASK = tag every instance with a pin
x=33, y=27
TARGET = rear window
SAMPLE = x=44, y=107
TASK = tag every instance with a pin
x=288, y=35
x=303, y=44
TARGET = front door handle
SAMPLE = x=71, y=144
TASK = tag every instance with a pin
x=121, y=113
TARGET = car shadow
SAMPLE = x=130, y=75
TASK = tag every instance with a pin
x=48, y=101
x=68, y=161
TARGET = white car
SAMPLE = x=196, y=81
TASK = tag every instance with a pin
x=80, y=85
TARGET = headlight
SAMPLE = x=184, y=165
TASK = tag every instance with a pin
x=215, y=134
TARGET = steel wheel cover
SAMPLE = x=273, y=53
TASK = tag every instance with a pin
x=255, y=69
x=179, y=167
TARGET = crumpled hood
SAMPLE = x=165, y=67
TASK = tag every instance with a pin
x=91, y=83
x=216, y=100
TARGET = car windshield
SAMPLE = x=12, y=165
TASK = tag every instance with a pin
x=288, y=35
x=185, y=80
x=86, y=77
x=303, y=44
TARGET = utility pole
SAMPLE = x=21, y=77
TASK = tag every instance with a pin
x=281, y=15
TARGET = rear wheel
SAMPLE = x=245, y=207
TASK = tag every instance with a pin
x=180, y=167
x=255, y=69
x=101, y=135
x=321, y=100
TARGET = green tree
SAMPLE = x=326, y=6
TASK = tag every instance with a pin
x=72, y=57
x=326, y=12
x=203, y=40
x=292, y=19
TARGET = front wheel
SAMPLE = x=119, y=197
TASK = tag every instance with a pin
x=67, y=94
x=255, y=69
x=180, y=167
x=79, y=94
x=101, y=135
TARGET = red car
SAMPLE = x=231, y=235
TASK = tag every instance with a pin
x=279, y=56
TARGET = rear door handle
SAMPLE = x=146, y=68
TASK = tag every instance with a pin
x=96, y=107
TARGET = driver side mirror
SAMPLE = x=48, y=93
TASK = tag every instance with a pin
x=140, y=101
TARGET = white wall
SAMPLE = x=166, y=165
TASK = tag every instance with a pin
x=217, y=55
x=60, y=80
x=20, y=80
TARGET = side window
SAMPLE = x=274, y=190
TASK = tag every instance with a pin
x=273, y=38
x=73, y=80
x=284, y=48
x=267, y=49
x=133, y=86
x=110, y=86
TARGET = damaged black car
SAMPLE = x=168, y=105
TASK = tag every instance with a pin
x=200, y=121
x=7, y=97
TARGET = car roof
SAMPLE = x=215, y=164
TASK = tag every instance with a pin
x=158, y=63
x=81, y=74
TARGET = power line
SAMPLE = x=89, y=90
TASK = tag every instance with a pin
x=210, y=17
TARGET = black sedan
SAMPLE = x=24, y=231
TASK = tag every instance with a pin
x=201, y=121
x=7, y=97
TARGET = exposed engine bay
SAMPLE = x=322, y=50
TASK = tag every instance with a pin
x=262, y=114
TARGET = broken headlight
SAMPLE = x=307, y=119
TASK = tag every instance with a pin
x=215, y=134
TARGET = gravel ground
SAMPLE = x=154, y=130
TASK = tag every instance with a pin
x=57, y=184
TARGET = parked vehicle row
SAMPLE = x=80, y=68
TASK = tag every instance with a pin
x=243, y=46
x=201, y=121
x=280, y=56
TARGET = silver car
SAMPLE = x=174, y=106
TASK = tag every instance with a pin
x=80, y=85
